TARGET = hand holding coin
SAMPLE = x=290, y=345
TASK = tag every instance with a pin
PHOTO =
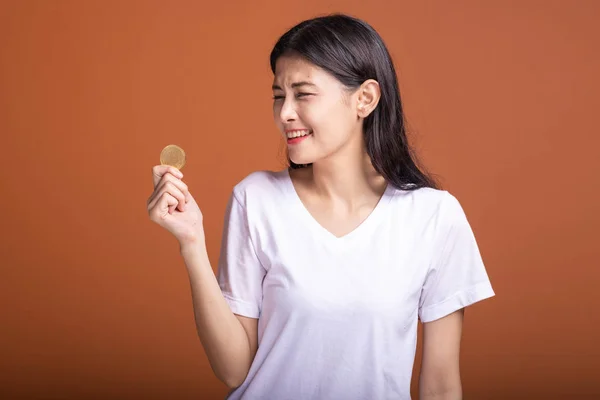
x=172, y=194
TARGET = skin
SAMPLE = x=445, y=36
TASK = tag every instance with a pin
x=342, y=187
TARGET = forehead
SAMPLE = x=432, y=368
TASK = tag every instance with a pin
x=293, y=68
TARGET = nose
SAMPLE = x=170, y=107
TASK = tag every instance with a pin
x=288, y=111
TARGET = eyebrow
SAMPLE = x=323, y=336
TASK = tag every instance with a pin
x=296, y=84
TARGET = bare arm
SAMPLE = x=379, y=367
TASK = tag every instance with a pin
x=440, y=375
x=229, y=340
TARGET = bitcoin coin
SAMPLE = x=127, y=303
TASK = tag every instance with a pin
x=172, y=155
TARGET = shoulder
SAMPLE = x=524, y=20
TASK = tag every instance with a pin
x=260, y=185
x=429, y=204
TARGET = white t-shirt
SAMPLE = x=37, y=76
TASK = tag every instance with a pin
x=337, y=317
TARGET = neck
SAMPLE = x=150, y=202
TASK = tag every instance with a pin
x=347, y=179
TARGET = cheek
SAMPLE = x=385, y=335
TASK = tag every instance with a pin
x=315, y=115
x=334, y=121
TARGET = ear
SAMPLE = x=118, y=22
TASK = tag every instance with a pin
x=369, y=94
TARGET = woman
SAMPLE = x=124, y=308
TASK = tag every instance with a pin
x=327, y=266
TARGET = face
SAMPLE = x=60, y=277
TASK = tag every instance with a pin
x=315, y=113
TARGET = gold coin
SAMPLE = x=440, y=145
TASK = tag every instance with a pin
x=172, y=155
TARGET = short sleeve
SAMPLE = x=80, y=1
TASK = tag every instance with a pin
x=457, y=276
x=240, y=273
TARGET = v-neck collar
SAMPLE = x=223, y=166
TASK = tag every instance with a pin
x=312, y=222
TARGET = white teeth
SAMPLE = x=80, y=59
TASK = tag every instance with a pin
x=295, y=134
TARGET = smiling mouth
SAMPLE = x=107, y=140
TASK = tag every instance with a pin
x=298, y=133
x=297, y=136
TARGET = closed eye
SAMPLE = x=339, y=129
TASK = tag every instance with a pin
x=299, y=95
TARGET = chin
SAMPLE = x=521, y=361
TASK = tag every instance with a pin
x=301, y=160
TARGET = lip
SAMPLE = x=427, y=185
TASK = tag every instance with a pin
x=299, y=138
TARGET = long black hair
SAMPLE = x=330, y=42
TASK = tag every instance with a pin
x=352, y=51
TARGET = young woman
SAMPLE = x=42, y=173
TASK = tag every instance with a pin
x=327, y=266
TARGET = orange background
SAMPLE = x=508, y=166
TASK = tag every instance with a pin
x=501, y=98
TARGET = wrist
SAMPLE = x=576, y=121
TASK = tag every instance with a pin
x=192, y=239
x=192, y=246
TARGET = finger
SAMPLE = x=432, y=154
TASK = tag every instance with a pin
x=179, y=184
x=172, y=190
x=171, y=181
x=188, y=196
x=161, y=210
x=168, y=177
x=155, y=196
x=159, y=170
